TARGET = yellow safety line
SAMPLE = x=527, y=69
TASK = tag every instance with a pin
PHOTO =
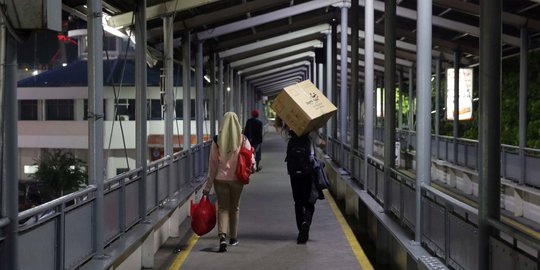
x=357, y=249
x=181, y=257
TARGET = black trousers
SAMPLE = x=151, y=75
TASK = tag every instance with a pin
x=301, y=189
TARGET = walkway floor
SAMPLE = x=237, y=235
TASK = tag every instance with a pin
x=267, y=230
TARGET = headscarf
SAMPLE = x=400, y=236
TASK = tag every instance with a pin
x=230, y=135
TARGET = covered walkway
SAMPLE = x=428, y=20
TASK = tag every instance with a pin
x=267, y=230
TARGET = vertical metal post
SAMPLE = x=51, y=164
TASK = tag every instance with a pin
x=186, y=86
x=309, y=70
x=400, y=102
x=354, y=80
x=169, y=99
x=212, y=104
x=334, y=76
x=199, y=107
x=489, y=193
x=238, y=91
x=410, y=119
x=3, y=181
x=457, y=56
x=423, y=133
x=231, y=92
x=314, y=70
x=220, y=104
x=200, y=94
x=390, y=97
x=140, y=102
x=523, y=85
x=343, y=106
x=226, y=86
x=328, y=77
x=11, y=152
x=245, y=101
x=437, y=103
x=95, y=123
x=368, y=85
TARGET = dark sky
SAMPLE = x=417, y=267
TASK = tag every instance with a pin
x=41, y=46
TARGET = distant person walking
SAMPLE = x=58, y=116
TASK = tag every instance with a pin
x=300, y=150
x=254, y=132
x=221, y=174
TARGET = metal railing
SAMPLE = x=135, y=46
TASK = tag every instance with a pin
x=62, y=231
x=449, y=226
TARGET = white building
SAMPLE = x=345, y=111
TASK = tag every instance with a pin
x=53, y=105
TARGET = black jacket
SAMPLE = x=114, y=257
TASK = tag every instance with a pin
x=254, y=131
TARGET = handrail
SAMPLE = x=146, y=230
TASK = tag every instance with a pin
x=452, y=200
x=515, y=233
x=401, y=174
x=123, y=175
x=56, y=202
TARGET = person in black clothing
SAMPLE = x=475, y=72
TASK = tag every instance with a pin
x=305, y=192
x=254, y=132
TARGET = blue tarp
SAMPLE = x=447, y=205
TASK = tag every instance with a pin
x=115, y=72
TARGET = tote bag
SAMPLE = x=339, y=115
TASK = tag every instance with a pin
x=203, y=216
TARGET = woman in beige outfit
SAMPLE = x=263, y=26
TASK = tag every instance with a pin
x=221, y=174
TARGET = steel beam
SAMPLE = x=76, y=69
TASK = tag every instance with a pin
x=445, y=23
x=265, y=18
x=270, y=71
x=156, y=11
x=261, y=57
x=275, y=40
x=277, y=62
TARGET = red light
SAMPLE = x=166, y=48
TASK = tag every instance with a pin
x=62, y=37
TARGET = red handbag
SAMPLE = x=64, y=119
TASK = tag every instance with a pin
x=243, y=167
x=203, y=216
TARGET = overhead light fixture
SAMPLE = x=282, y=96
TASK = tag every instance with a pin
x=228, y=89
x=206, y=78
x=64, y=64
x=35, y=72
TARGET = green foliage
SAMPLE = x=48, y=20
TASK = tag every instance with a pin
x=510, y=101
x=509, y=105
x=62, y=171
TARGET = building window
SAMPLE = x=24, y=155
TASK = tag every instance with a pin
x=121, y=170
x=125, y=108
x=154, y=110
x=85, y=112
x=28, y=110
x=180, y=109
x=59, y=109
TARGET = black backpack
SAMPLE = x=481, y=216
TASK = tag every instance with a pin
x=299, y=155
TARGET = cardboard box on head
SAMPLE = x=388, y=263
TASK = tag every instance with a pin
x=303, y=107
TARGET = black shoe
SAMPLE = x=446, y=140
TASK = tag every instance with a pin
x=222, y=245
x=303, y=235
x=233, y=242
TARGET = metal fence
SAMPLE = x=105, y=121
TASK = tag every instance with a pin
x=449, y=226
x=61, y=232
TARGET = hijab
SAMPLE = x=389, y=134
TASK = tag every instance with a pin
x=230, y=135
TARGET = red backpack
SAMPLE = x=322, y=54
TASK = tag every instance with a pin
x=243, y=167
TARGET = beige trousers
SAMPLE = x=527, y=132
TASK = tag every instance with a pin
x=228, y=200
